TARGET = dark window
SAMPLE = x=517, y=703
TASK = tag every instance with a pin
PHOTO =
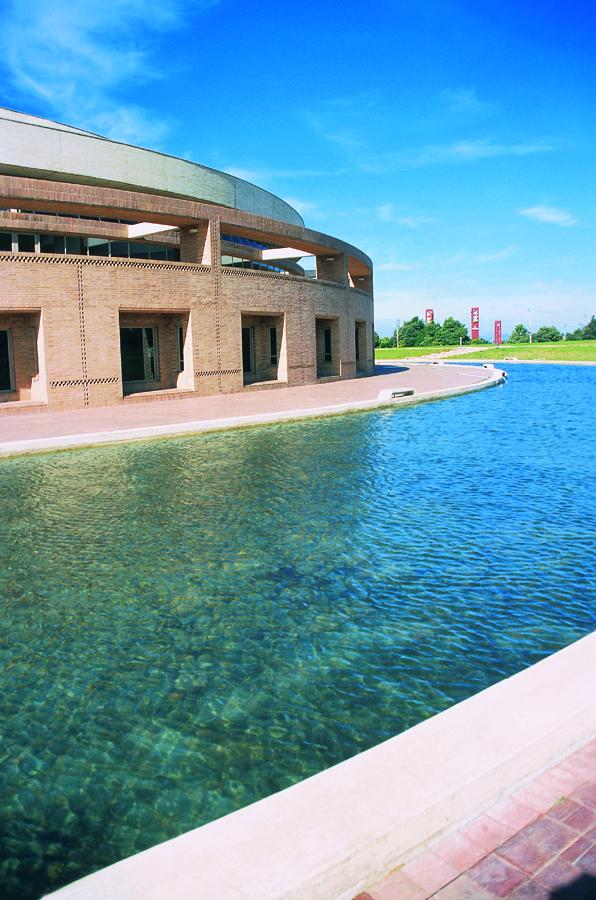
x=99, y=247
x=76, y=245
x=138, y=349
x=357, y=340
x=180, y=343
x=5, y=241
x=26, y=243
x=273, y=345
x=51, y=243
x=246, y=350
x=327, y=339
x=119, y=248
x=5, y=367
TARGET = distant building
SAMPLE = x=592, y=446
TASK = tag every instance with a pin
x=125, y=272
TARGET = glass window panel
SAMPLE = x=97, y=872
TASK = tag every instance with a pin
x=5, y=241
x=98, y=247
x=76, y=245
x=140, y=251
x=51, y=243
x=119, y=248
x=26, y=243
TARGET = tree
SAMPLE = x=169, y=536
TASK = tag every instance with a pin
x=411, y=333
x=386, y=342
x=589, y=330
x=547, y=333
x=453, y=330
x=376, y=338
x=519, y=335
x=433, y=335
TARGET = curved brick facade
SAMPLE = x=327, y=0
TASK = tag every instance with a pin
x=112, y=291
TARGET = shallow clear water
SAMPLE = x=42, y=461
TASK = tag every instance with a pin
x=192, y=624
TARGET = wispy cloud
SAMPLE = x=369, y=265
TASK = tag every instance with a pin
x=464, y=257
x=387, y=212
x=458, y=152
x=363, y=157
x=552, y=215
x=73, y=59
x=396, y=266
x=465, y=100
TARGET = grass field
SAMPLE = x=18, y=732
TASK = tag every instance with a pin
x=402, y=352
x=561, y=351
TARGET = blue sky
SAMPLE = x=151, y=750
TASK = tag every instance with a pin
x=453, y=141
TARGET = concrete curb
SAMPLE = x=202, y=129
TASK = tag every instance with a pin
x=340, y=831
x=149, y=432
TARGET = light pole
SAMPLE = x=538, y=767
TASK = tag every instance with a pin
x=530, y=323
x=397, y=326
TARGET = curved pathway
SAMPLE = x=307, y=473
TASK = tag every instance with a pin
x=145, y=416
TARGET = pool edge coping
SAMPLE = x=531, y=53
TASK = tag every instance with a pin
x=339, y=831
x=208, y=426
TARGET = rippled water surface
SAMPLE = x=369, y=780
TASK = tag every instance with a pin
x=192, y=624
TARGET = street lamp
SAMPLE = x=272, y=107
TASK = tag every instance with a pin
x=397, y=326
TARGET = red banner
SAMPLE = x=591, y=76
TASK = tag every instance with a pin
x=430, y=316
x=475, y=323
x=498, y=333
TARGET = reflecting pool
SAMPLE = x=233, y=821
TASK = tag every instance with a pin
x=192, y=624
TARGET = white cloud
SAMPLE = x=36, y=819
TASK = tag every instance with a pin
x=550, y=214
x=458, y=152
x=464, y=100
x=396, y=267
x=304, y=207
x=469, y=258
x=387, y=212
x=74, y=59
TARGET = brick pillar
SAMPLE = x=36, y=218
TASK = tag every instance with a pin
x=333, y=268
x=195, y=244
x=363, y=283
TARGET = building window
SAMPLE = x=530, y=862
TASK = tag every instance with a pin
x=76, y=245
x=180, y=346
x=247, y=350
x=138, y=348
x=6, y=378
x=357, y=342
x=327, y=344
x=273, y=346
x=51, y=243
x=6, y=241
x=26, y=243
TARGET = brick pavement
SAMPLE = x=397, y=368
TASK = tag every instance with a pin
x=538, y=842
x=154, y=416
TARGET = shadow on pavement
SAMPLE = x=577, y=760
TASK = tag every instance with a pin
x=389, y=370
x=583, y=888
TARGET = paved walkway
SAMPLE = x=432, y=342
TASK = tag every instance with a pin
x=133, y=420
x=537, y=843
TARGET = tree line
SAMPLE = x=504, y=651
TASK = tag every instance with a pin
x=416, y=333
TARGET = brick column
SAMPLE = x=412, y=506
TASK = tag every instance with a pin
x=196, y=244
x=333, y=268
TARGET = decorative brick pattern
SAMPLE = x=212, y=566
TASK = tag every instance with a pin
x=81, y=302
x=524, y=852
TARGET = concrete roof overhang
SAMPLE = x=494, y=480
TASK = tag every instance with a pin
x=93, y=200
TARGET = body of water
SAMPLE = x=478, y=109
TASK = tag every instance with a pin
x=190, y=625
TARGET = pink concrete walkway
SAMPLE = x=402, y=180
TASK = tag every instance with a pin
x=44, y=429
x=537, y=843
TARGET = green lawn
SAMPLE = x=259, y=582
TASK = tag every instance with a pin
x=394, y=353
x=562, y=351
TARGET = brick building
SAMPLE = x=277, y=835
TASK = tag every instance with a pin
x=126, y=274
